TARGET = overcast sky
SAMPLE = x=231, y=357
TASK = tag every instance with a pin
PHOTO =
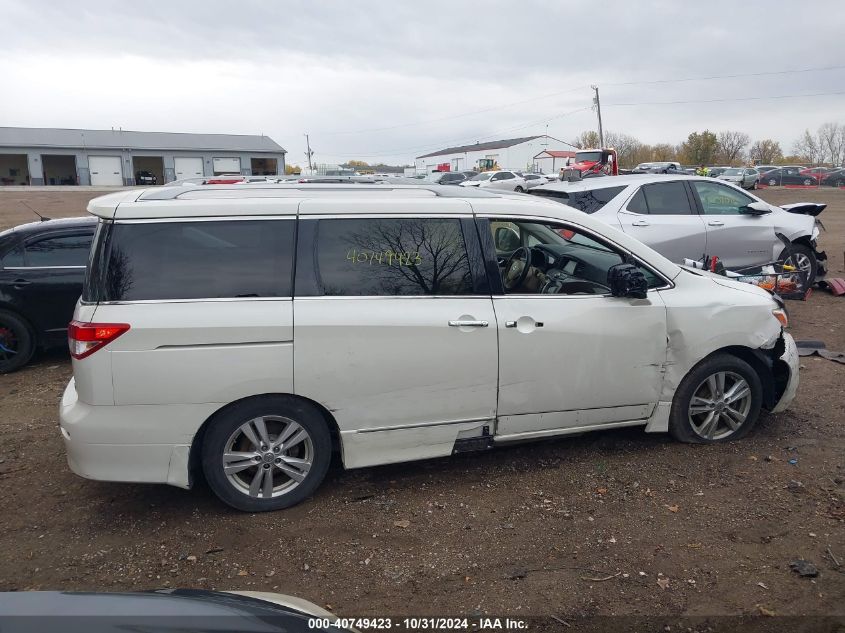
x=393, y=80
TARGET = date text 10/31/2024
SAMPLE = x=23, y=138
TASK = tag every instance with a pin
x=421, y=624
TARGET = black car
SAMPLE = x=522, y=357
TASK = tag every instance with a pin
x=42, y=266
x=835, y=178
x=145, y=178
x=787, y=176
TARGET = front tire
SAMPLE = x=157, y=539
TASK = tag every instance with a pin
x=17, y=342
x=755, y=185
x=519, y=189
x=803, y=258
x=267, y=453
x=718, y=401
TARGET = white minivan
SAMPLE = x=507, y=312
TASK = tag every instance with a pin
x=247, y=333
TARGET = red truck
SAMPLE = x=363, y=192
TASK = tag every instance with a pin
x=596, y=161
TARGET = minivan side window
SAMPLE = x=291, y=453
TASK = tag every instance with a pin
x=563, y=260
x=65, y=250
x=219, y=259
x=391, y=257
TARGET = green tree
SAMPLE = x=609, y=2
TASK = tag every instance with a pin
x=699, y=148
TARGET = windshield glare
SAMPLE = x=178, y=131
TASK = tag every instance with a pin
x=482, y=176
x=587, y=157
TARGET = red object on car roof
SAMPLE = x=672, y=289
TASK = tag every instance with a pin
x=225, y=179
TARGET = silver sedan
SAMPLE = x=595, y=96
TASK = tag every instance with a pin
x=744, y=177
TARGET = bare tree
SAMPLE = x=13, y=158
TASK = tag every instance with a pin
x=765, y=152
x=731, y=145
x=831, y=137
x=809, y=148
x=663, y=152
x=629, y=150
x=587, y=138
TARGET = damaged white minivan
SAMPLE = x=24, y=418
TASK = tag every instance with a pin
x=247, y=333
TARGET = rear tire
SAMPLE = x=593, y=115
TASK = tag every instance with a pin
x=519, y=189
x=803, y=257
x=266, y=453
x=17, y=342
x=807, y=182
x=772, y=182
x=719, y=400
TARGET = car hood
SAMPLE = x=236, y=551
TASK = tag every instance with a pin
x=727, y=282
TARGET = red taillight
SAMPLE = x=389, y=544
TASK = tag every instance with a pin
x=86, y=338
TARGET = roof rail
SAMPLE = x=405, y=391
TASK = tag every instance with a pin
x=266, y=191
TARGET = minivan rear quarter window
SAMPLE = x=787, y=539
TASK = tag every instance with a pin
x=390, y=257
x=588, y=201
x=150, y=261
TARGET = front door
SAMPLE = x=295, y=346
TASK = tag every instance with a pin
x=663, y=216
x=571, y=356
x=394, y=332
x=739, y=239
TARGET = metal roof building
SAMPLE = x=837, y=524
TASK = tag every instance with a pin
x=57, y=156
x=509, y=153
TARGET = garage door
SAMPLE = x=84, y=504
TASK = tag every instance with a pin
x=105, y=171
x=227, y=166
x=188, y=167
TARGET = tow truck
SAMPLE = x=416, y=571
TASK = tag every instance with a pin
x=593, y=162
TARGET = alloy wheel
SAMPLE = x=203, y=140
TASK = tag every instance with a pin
x=268, y=456
x=720, y=405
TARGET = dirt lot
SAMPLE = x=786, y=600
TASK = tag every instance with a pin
x=571, y=527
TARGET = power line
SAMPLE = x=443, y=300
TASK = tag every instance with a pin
x=710, y=77
x=462, y=141
x=455, y=116
x=764, y=98
x=576, y=89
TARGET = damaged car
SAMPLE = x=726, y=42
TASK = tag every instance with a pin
x=686, y=217
x=247, y=334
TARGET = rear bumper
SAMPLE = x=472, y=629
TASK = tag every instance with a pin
x=789, y=360
x=140, y=444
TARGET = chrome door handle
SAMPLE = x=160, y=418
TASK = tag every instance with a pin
x=639, y=223
x=460, y=323
x=716, y=223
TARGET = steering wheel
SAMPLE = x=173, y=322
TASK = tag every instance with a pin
x=511, y=279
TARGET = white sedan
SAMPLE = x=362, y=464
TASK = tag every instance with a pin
x=506, y=180
x=685, y=217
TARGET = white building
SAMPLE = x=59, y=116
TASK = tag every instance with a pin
x=511, y=153
x=550, y=161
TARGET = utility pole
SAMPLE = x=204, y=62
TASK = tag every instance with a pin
x=597, y=103
x=309, y=153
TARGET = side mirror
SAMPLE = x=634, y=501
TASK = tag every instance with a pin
x=506, y=239
x=756, y=208
x=626, y=280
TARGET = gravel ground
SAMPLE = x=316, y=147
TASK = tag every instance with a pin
x=617, y=522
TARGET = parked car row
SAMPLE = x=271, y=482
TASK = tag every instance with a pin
x=685, y=217
x=482, y=295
